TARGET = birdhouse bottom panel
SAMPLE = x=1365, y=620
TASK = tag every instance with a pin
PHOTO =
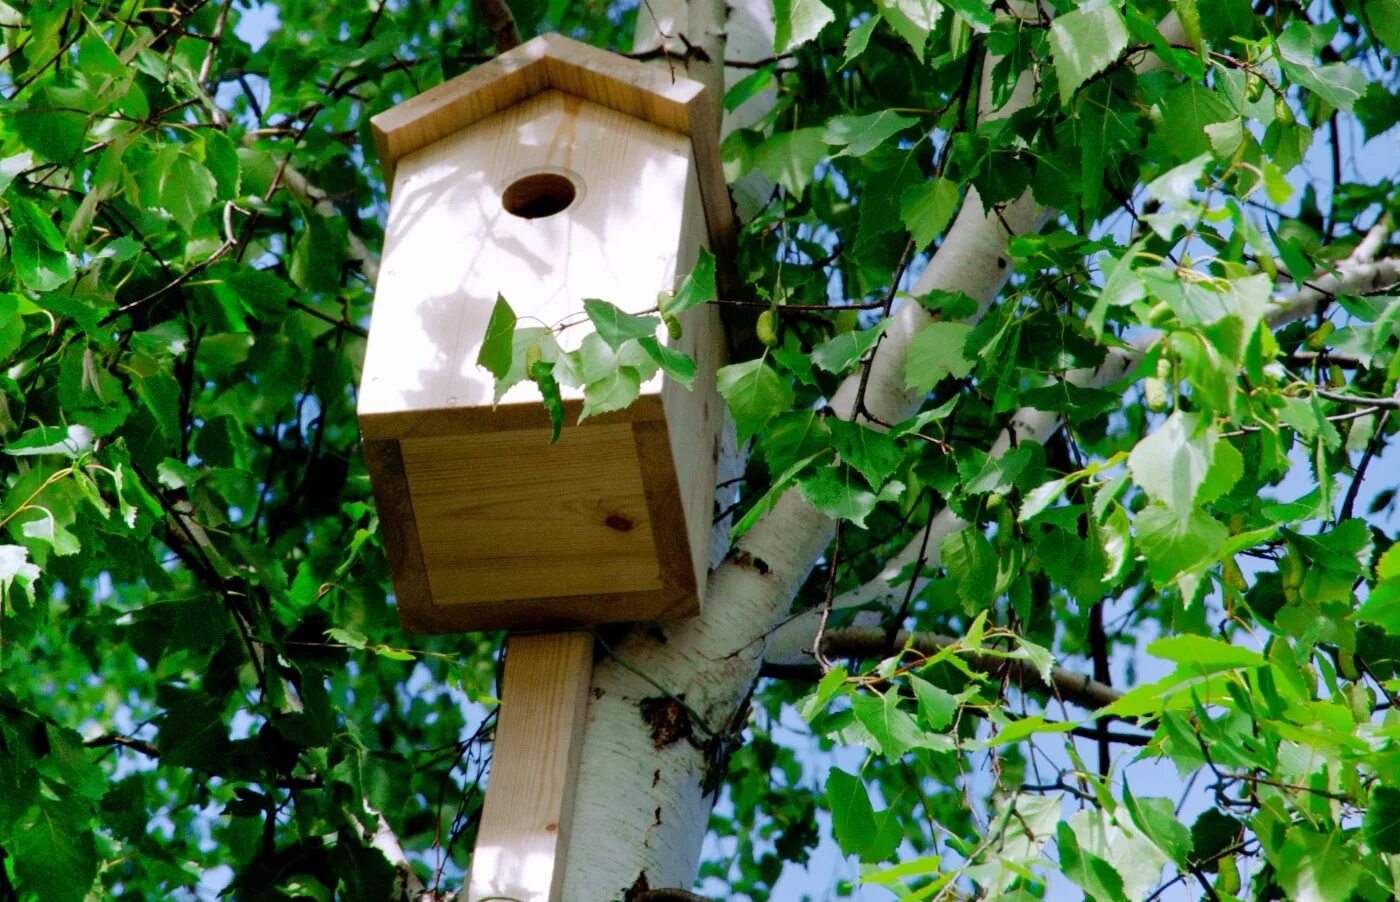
x=503, y=529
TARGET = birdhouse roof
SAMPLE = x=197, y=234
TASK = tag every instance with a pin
x=554, y=62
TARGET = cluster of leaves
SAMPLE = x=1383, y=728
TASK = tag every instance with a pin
x=185, y=511
x=1212, y=490
x=201, y=667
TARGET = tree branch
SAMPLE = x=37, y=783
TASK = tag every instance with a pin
x=500, y=21
x=1077, y=688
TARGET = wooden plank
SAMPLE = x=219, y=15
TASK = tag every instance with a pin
x=670, y=602
x=508, y=516
x=523, y=836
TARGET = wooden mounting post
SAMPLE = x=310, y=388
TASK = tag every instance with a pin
x=521, y=842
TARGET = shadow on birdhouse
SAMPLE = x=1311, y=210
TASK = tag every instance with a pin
x=553, y=174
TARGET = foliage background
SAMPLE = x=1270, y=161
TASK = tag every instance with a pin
x=202, y=667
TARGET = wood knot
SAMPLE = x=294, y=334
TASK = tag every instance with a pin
x=619, y=522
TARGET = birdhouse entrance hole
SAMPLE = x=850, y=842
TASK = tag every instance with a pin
x=539, y=195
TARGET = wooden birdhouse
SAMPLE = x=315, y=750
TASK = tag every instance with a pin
x=552, y=174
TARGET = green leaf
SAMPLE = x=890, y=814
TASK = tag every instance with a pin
x=362, y=870
x=1083, y=43
x=842, y=352
x=861, y=134
x=70, y=441
x=1345, y=547
x=972, y=567
x=755, y=394
x=859, y=39
x=789, y=158
x=1121, y=287
x=614, y=391
x=748, y=88
x=616, y=326
x=37, y=248
x=319, y=254
x=352, y=638
x=765, y=503
x=697, y=288
x=1024, y=728
x=854, y=822
x=53, y=123
x=936, y=351
x=182, y=186
x=1204, y=654
x=221, y=159
x=55, y=855
x=496, y=351
x=1095, y=876
x=927, y=208
x=192, y=731
x=1212, y=833
x=1384, y=16
x=798, y=21
x=12, y=166
x=912, y=20
x=1172, y=462
x=1337, y=83
x=838, y=493
x=1382, y=821
x=936, y=706
x=676, y=364
x=1318, y=865
x=542, y=373
x=1388, y=567
x=1157, y=820
x=977, y=13
x=1173, y=546
x=892, y=729
x=873, y=453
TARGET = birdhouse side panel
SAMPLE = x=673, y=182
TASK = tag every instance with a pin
x=692, y=416
x=452, y=245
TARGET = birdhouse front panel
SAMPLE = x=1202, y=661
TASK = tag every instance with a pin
x=551, y=200
x=547, y=203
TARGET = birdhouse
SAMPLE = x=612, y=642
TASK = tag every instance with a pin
x=552, y=174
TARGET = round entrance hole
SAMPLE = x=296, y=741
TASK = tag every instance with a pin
x=539, y=195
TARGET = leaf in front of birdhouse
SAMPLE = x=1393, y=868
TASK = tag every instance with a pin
x=615, y=325
x=698, y=287
x=676, y=364
x=542, y=372
x=521, y=357
x=496, y=352
x=755, y=394
x=613, y=391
